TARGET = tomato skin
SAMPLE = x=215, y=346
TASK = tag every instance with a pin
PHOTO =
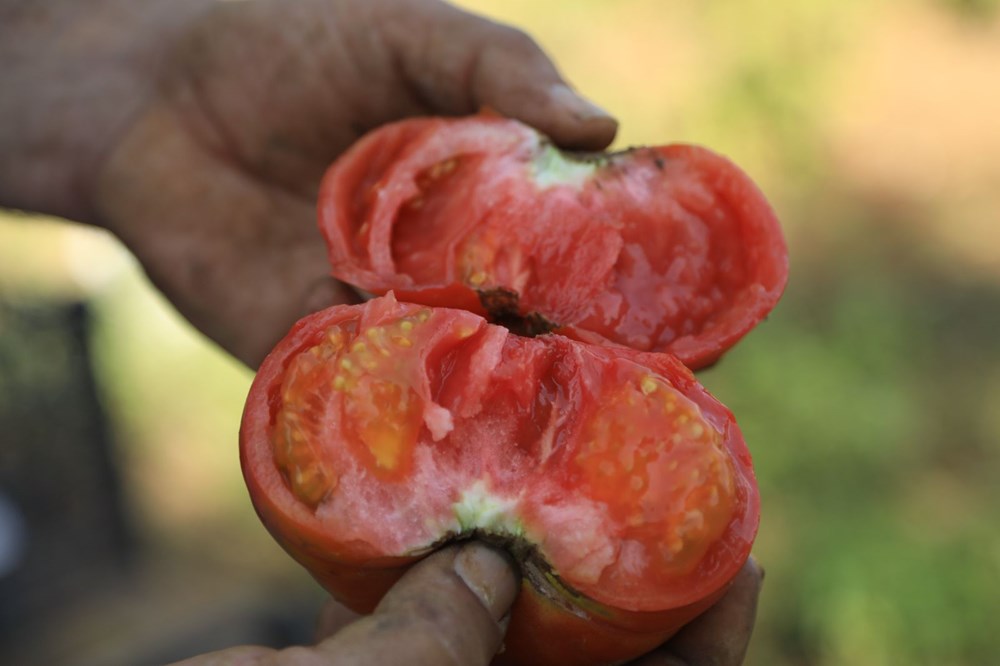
x=541, y=633
x=542, y=630
x=670, y=249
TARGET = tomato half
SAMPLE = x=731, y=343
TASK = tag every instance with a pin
x=670, y=249
x=375, y=433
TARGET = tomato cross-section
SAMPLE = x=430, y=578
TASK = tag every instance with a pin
x=375, y=433
x=670, y=249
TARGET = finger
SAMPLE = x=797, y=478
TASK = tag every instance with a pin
x=462, y=62
x=332, y=618
x=446, y=610
x=721, y=635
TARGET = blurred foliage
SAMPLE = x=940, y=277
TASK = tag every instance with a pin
x=974, y=9
x=869, y=398
x=866, y=400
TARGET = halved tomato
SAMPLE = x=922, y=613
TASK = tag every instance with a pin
x=374, y=434
x=670, y=249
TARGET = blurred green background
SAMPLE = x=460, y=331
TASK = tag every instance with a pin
x=870, y=398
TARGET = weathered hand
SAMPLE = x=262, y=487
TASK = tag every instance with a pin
x=198, y=130
x=446, y=610
x=213, y=183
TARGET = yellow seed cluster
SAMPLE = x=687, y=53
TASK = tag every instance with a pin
x=647, y=428
x=295, y=434
x=341, y=361
x=306, y=477
x=477, y=257
x=442, y=169
x=426, y=179
x=367, y=353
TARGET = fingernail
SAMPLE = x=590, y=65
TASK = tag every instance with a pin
x=580, y=108
x=489, y=575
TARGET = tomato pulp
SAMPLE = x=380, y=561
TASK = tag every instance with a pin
x=375, y=433
x=670, y=249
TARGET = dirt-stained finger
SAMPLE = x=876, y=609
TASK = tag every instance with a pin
x=721, y=635
x=446, y=610
x=462, y=62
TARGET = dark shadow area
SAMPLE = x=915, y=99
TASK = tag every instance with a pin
x=57, y=468
x=77, y=587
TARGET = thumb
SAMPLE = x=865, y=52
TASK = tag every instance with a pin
x=459, y=62
x=445, y=610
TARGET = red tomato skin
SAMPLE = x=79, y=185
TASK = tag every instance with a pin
x=541, y=630
x=376, y=165
x=541, y=633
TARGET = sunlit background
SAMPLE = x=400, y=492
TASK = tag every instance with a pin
x=870, y=398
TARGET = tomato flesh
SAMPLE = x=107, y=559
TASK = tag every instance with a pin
x=669, y=249
x=379, y=431
x=660, y=468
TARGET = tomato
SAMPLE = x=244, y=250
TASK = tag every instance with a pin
x=376, y=433
x=669, y=249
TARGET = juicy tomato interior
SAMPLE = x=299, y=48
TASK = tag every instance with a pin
x=682, y=260
x=663, y=249
x=644, y=434
x=384, y=428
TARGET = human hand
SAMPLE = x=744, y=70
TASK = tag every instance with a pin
x=448, y=609
x=451, y=609
x=217, y=120
x=214, y=186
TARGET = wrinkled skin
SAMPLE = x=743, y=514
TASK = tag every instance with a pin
x=254, y=110
x=198, y=131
